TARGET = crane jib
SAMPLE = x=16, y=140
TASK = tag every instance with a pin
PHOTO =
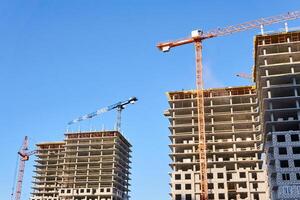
x=120, y=105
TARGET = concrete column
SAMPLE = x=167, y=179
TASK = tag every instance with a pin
x=267, y=72
x=264, y=52
x=291, y=59
x=234, y=147
x=290, y=49
x=268, y=83
x=265, y=62
x=271, y=105
x=294, y=81
x=253, y=127
x=269, y=94
x=273, y=128
x=272, y=117
x=297, y=103
x=292, y=70
x=295, y=91
x=298, y=114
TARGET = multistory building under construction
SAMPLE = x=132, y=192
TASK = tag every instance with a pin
x=233, y=139
x=48, y=170
x=240, y=124
x=85, y=166
x=277, y=77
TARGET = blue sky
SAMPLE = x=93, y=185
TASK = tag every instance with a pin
x=60, y=59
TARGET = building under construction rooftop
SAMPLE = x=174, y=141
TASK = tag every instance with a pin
x=85, y=166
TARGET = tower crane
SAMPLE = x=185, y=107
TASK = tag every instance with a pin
x=197, y=36
x=119, y=106
x=24, y=156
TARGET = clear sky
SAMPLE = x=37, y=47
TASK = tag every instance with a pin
x=60, y=59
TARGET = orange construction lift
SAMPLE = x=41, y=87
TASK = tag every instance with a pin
x=197, y=37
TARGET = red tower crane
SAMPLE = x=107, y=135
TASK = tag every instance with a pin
x=24, y=156
x=197, y=37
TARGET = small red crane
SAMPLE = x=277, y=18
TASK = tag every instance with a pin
x=24, y=156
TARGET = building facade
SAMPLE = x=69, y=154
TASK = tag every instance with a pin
x=234, y=144
x=277, y=77
x=48, y=170
x=89, y=166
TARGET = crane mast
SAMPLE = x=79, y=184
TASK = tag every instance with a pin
x=24, y=156
x=201, y=120
x=21, y=169
x=197, y=37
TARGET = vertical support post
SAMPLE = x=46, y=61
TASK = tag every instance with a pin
x=262, y=29
x=119, y=112
x=21, y=169
x=201, y=121
x=286, y=27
